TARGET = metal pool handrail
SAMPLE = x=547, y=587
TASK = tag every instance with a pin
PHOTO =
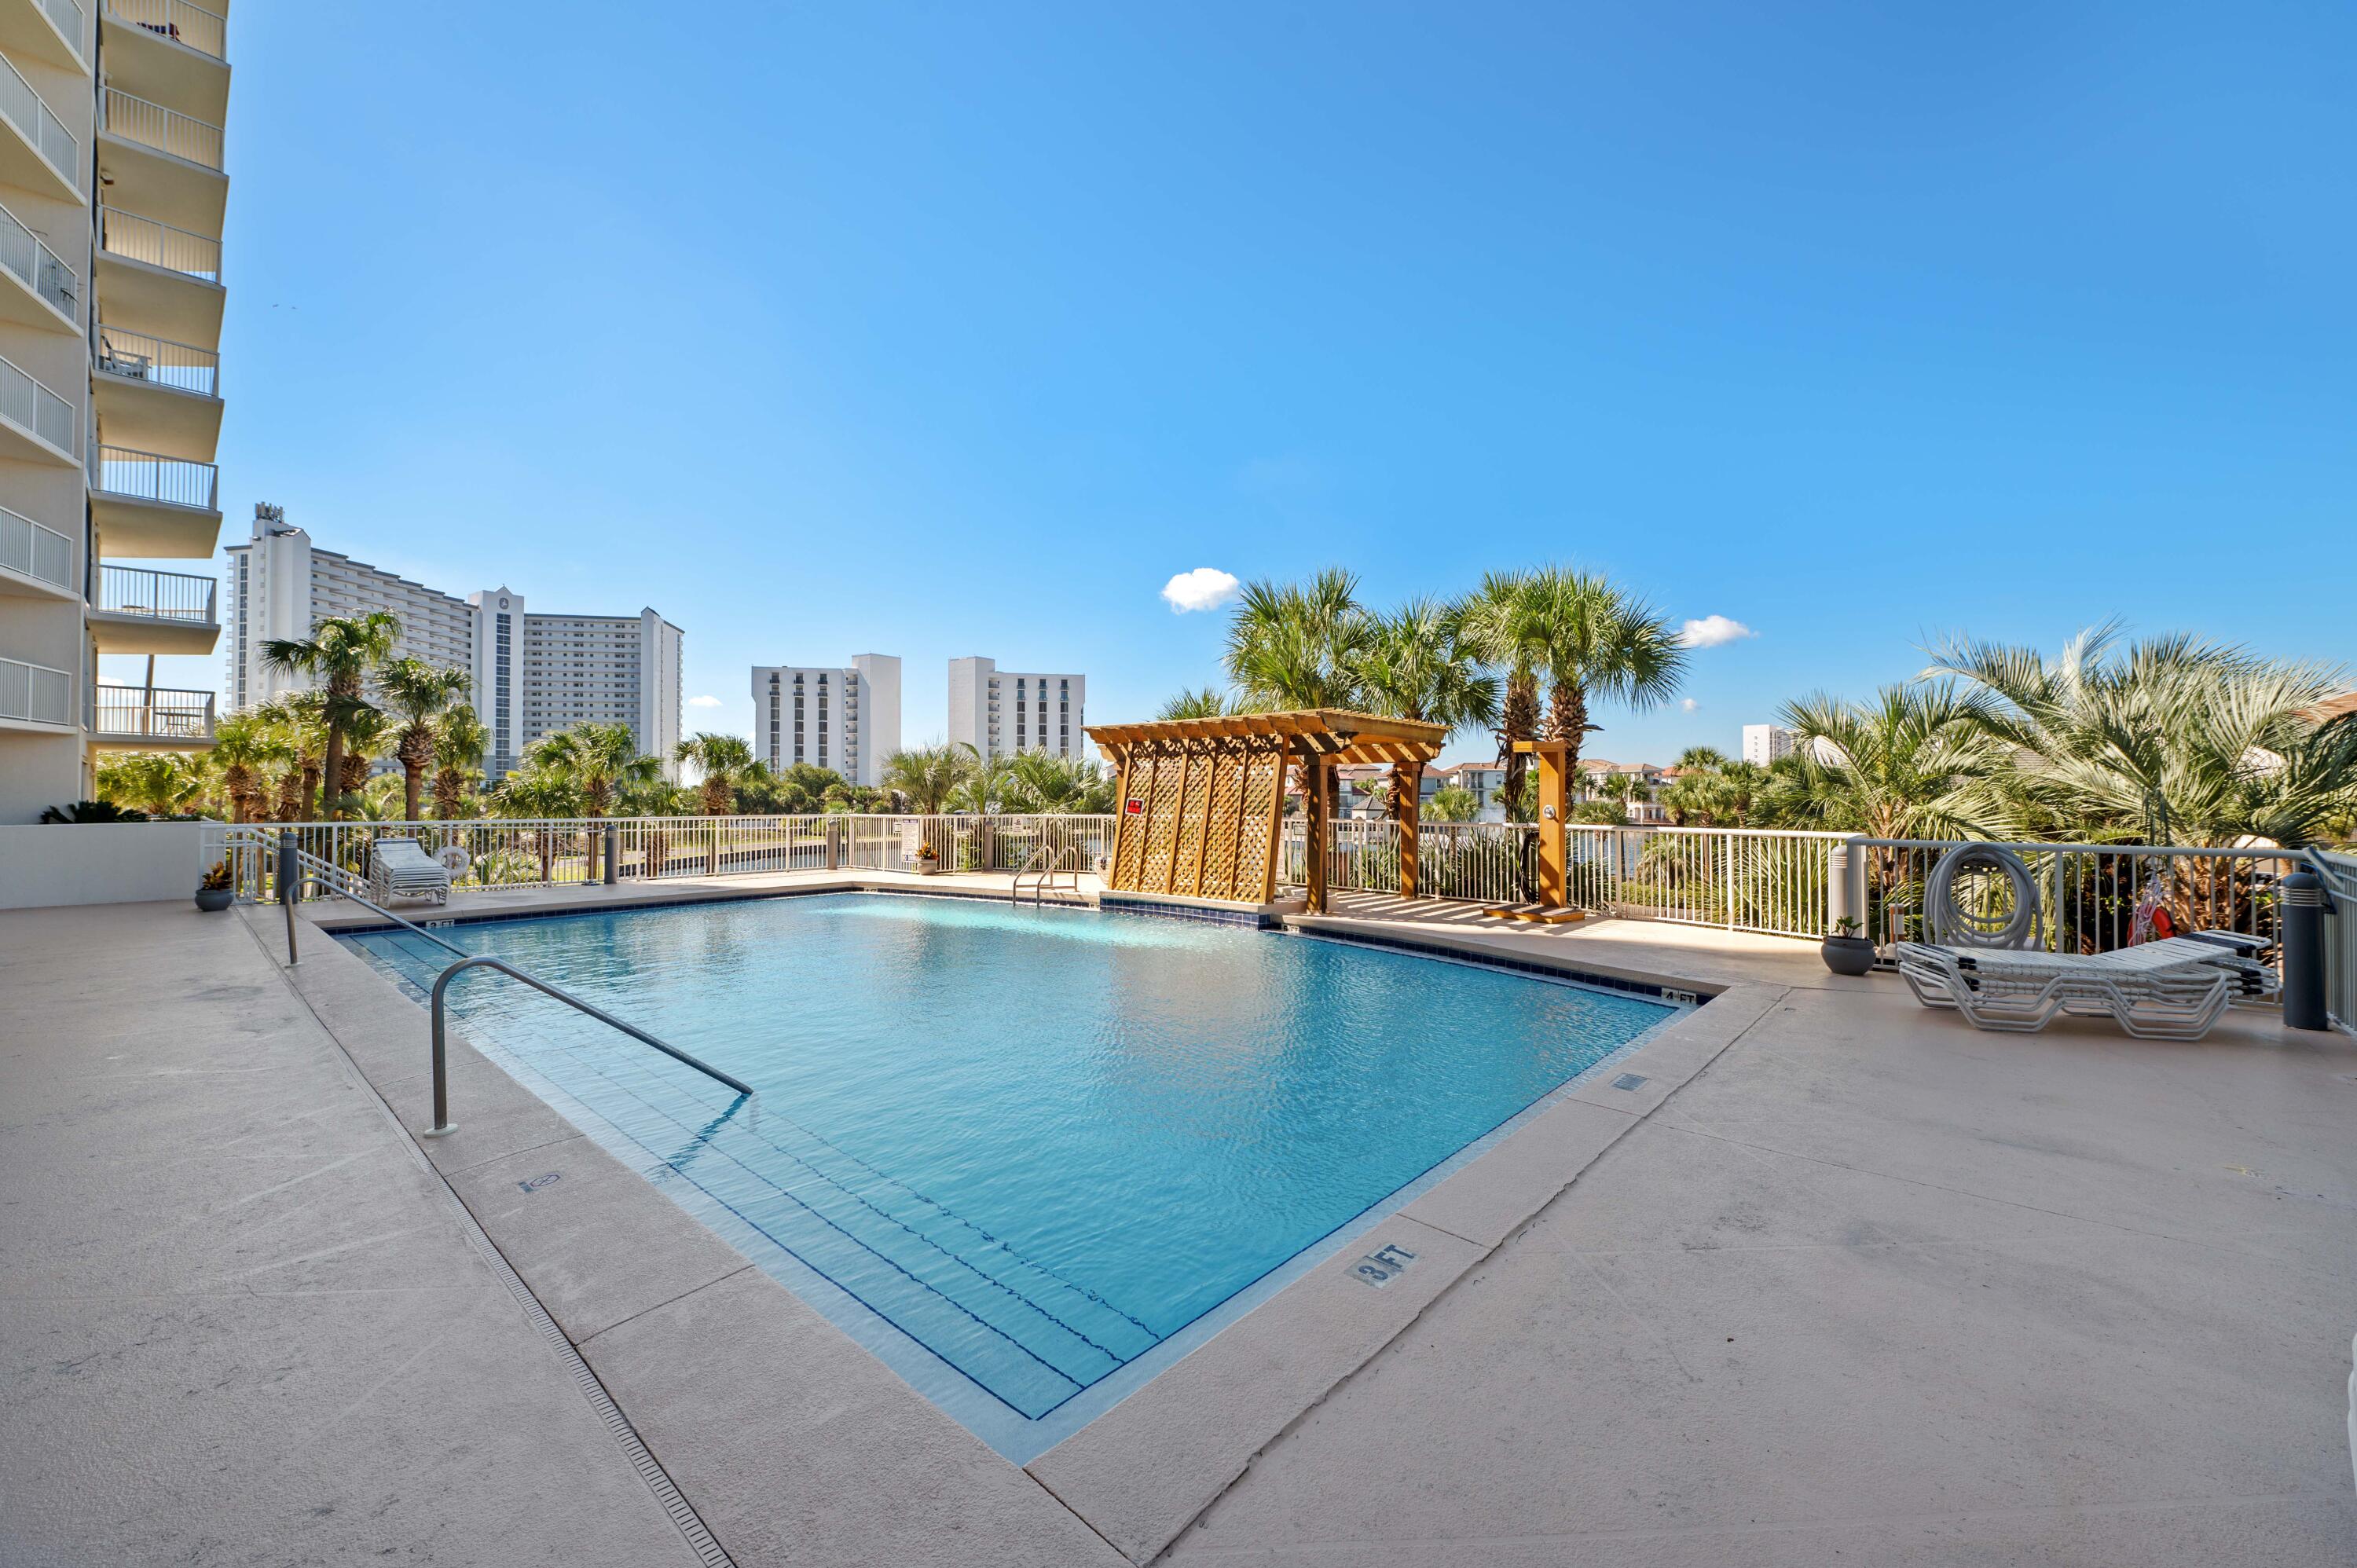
x=319, y=872
x=1048, y=874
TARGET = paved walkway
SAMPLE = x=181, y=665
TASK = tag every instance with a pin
x=1876, y=1288
x=239, y=1320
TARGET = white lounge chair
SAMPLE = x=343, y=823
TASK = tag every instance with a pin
x=2171, y=989
x=402, y=867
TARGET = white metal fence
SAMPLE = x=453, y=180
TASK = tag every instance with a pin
x=559, y=851
x=179, y=21
x=137, y=239
x=42, y=270
x=25, y=110
x=152, y=712
x=27, y=402
x=33, y=551
x=145, y=476
x=160, y=596
x=166, y=130
x=66, y=16
x=2339, y=872
x=35, y=694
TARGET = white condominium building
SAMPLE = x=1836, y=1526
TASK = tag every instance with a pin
x=1764, y=744
x=847, y=719
x=533, y=674
x=112, y=191
x=1000, y=711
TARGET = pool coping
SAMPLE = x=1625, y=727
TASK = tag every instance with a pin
x=778, y=1441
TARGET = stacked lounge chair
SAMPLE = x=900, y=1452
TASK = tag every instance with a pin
x=401, y=866
x=2171, y=989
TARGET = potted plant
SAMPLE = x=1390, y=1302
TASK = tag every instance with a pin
x=1844, y=952
x=928, y=862
x=214, y=893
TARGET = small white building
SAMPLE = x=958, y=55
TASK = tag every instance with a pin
x=845, y=718
x=1764, y=744
x=1001, y=712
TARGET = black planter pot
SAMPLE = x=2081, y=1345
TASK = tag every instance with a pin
x=1848, y=955
x=213, y=900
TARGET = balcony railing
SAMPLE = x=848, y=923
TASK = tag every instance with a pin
x=135, y=357
x=27, y=402
x=166, y=130
x=137, y=239
x=144, y=476
x=29, y=550
x=23, y=107
x=35, y=694
x=159, y=595
x=40, y=268
x=152, y=713
x=66, y=16
x=177, y=20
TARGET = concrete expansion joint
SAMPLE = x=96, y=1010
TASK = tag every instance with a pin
x=667, y=1301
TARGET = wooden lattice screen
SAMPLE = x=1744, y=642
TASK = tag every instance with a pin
x=1205, y=818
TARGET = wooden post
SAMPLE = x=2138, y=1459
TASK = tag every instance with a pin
x=1554, y=809
x=1319, y=825
x=1407, y=799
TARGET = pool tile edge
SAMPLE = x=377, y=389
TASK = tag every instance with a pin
x=1147, y=1468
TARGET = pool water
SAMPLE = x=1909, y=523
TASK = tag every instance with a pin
x=1034, y=1145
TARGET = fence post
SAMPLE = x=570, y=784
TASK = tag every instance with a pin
x=613, y=858
x=2303, y=951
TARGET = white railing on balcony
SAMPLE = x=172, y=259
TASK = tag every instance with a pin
x=145, y=713
x=166, y=130
x=144, y=476
x=37, y=124
x=159, y=595
x=137, y=239
x=35, y=694
x=28, y=404
x=158, y=361
x=39, y=268
x=177, y=20
x=30, y=550
x=66, y=16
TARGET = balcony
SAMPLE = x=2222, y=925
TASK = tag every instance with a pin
x=36, y=425
x=36, y=562
x=147, y=504
x=168, y=51
x=159, y=278
x=36, y=151
x=51, y=31
x=140, y=611
x=158, y=396
x=35, y=694
x=163, y=163
x=39, y=289
x=149, y=718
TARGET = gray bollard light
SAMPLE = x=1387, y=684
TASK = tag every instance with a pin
x=613, y=856
x=2303, y=951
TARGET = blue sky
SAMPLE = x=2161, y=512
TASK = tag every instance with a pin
x=935, y=330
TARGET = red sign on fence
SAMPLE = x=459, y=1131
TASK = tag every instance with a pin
x=1135, y=808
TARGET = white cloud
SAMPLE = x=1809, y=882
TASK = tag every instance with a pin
x=1688, y=703
x=1204, y=589
x=703, y=701
x=1710, y=631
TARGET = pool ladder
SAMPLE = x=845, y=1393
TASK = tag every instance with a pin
x=1046, y=874
x=299, y=869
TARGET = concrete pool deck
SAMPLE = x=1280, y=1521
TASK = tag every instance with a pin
x=1843, y=1280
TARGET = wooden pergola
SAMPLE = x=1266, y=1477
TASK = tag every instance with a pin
x=1202, y=801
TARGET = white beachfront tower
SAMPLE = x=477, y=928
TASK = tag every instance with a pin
x=844, y=717
x=1001, y=712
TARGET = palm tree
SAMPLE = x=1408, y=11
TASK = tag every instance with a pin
x=1495, y=627
x=928, y=775
x=160, y=783
x=1297, y=645
x=539, y=793
x=2168, y=740
x=1452, y=803
x=339, y=654
x=721, y=759
x=243, y=745
x=366, y=733
x=1708, y=758
x=1916, y=762
x=1206, y=703
x=418, y=695
x=1596, y=642
x=300, y=722
x=460, y=739
x=596, y=760
x=1418, y=664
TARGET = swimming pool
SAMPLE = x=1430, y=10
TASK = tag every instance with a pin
x=1024, y=1155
